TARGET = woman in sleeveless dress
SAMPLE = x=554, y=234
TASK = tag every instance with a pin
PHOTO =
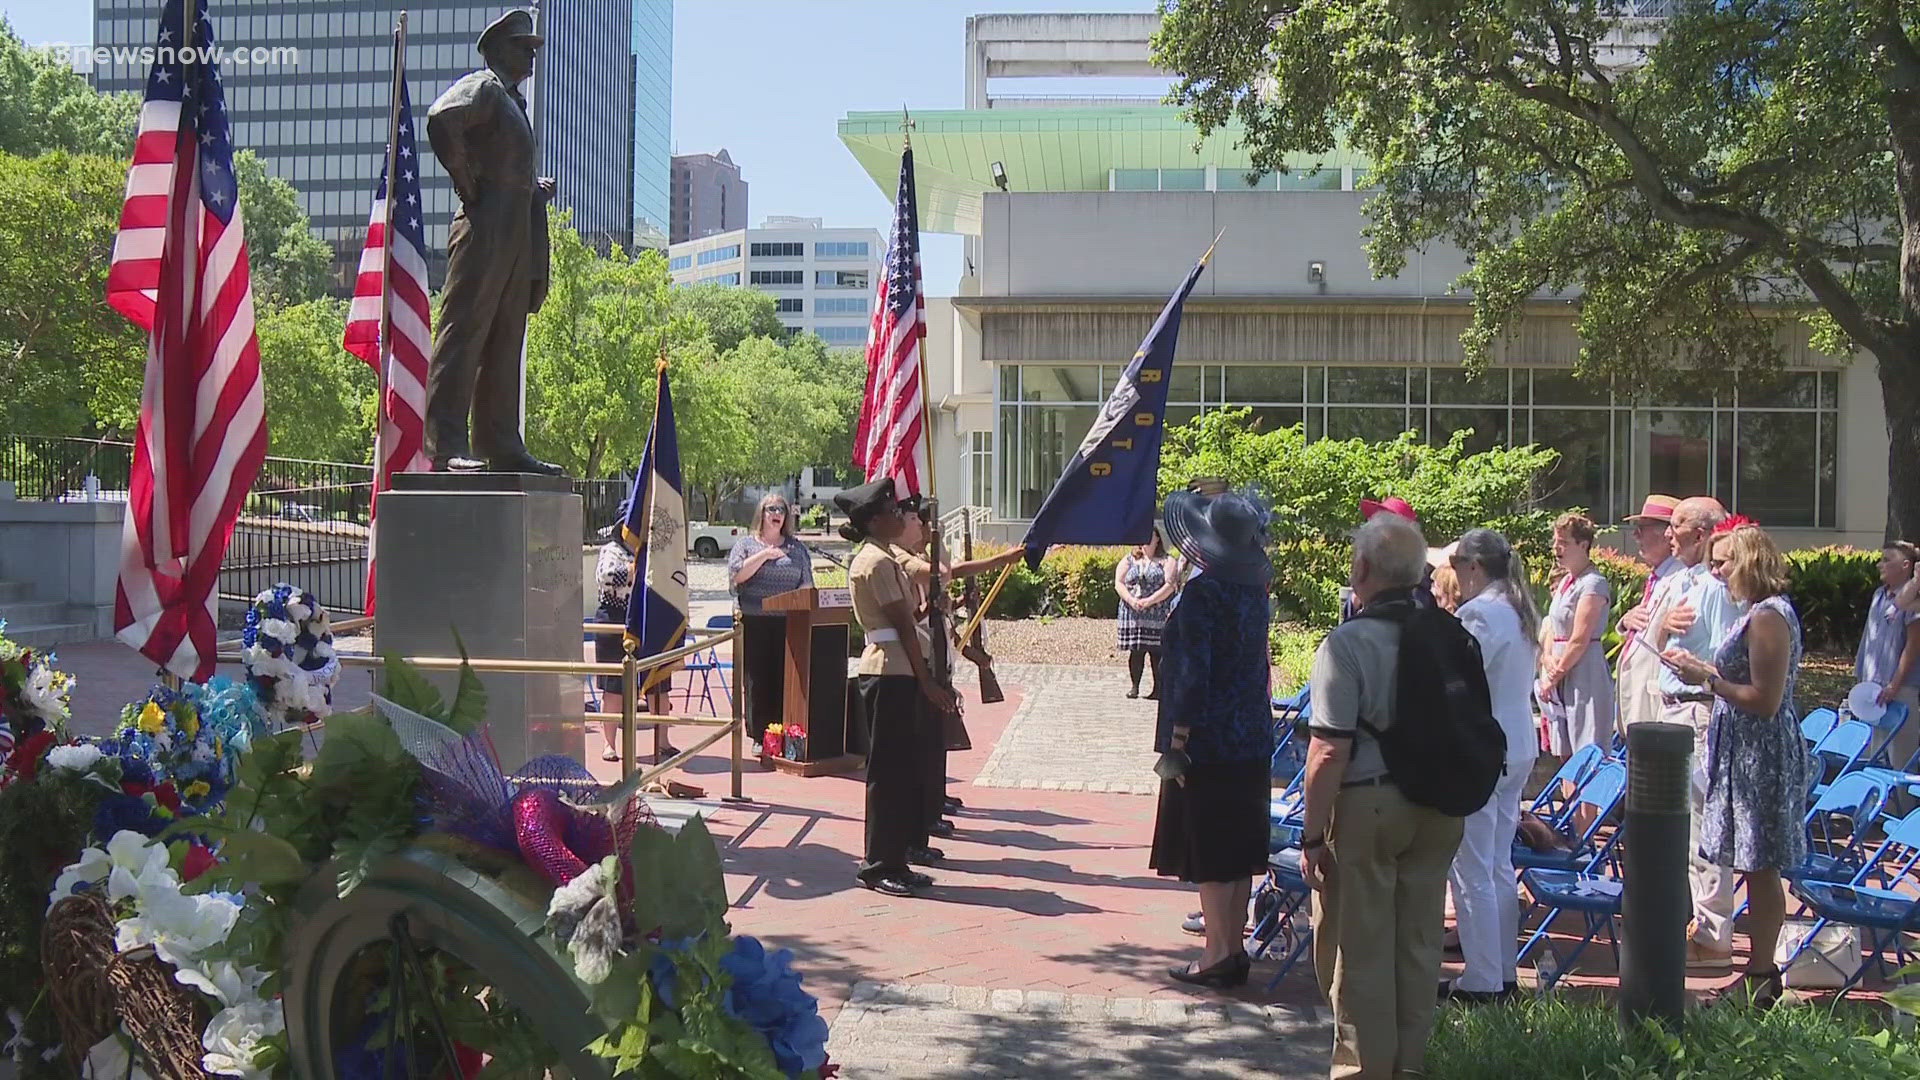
x=1146, y=581
x=1576, y=689
x=1756, y=762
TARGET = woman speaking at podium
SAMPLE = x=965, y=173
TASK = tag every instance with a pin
x=768, y=560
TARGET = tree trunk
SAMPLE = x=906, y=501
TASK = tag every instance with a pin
x=594, y=455
x=1900, y=395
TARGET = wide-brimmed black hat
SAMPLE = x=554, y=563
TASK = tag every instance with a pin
x=517, y=23
x=1224, y=534
x=861, y=503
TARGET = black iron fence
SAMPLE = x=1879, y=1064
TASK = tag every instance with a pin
x=303, y=521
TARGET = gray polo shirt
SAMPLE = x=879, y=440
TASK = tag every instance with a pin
x=1354, y=677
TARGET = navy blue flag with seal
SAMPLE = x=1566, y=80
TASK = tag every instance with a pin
x=655, y=527
x=1108, y=492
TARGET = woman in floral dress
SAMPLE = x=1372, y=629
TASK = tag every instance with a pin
x=1756, y=762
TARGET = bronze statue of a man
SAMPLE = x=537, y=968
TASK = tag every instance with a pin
x=496, y=257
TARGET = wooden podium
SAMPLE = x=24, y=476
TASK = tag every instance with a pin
x=814, y=677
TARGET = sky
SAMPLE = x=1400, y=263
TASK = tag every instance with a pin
x=769, y=80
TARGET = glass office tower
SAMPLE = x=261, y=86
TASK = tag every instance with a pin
x=652, y=120
x=320, y=122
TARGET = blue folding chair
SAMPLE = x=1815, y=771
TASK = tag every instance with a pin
x=1856, y=798
x=1815, y=725
x=1888, y=726
x=709, y=667
x=1886, y=913
x=1601, y=793
x=1555, y=800
x=1906, y=776
x=1596, y=897
x=1840, y=750
x=1284, y=920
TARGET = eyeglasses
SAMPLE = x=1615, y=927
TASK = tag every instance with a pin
x=781, y=510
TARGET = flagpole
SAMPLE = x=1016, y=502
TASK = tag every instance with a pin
x=385, y=347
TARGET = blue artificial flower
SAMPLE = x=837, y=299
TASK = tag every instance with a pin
x=122, y=811
x=766, y=994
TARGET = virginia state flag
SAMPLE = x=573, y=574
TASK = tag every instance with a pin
x=1107, y=494
x=656, y=529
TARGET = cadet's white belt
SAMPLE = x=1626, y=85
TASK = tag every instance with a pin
x=882, y=635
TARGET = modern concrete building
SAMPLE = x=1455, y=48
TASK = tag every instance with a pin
x=1109, y=202
x=319, y=122
x=821, y=278
x=708, y=196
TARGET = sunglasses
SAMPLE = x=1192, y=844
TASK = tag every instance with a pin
x=781, y=510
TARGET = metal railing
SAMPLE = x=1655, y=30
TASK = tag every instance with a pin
x=629, y=717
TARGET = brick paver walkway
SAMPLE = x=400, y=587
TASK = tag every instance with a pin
x=1075, y=731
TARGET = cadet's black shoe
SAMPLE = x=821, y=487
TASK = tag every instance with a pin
x=918, y=880
x=891, y=884
x=925, y=856
x=953, y=805
x=941, y=828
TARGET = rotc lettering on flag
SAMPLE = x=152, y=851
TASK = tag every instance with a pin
x=1107, y=493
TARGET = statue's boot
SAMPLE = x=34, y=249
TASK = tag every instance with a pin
x=457, y=463
x=523, y=462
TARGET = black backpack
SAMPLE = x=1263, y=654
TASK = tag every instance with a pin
x=1444, y=749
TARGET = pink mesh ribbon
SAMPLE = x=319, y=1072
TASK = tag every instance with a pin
x=558, y=841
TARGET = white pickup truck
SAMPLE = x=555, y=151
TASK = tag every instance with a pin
x=711, y=541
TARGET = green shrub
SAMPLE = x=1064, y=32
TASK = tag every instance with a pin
x=1831, y=589
x=814, y=518
x=1315, y=488
x=1292, y=646
x=1086, y=586
x=1566, y=1038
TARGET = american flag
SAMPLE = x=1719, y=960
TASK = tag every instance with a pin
x=179, y=272
x=890, y=439
x=404, y=408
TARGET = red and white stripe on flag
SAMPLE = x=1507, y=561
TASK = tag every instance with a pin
x=179, y=271
x=403, y=408
x=890, y=439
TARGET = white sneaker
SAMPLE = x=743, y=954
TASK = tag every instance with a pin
x=1195, y=923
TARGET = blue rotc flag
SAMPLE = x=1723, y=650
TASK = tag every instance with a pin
x=1107, y=494
x=655, y=527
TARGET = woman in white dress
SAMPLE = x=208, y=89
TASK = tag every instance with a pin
x=1576, y=689
x=1497, y=608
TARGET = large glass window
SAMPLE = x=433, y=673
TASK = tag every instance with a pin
x=1766, y=449
x=778, y=250
x=778, y=277
x=840, y=249
x=842, y=335
x=840, y=279
x=719, y=254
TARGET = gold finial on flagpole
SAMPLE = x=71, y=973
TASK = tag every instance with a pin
x=1210, y=247
x=906, y=126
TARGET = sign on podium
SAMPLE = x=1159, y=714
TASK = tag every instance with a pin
x=814, y=677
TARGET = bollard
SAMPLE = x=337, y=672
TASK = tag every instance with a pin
x=1656, y=902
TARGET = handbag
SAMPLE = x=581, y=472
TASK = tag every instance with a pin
x=1827, y=962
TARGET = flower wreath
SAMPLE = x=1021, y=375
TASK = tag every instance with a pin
x=287, y=650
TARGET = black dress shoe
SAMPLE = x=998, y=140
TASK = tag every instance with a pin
x=524, y=462
x=890, y=884
x=458, y=463
x=953, y=805
x=1450, y=992
x=1224, y=975
x=925, y=856
x=918, y=880
x=941, y=828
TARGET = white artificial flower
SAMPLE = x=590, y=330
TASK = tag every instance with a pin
x=136, y=865
x=234, y=1036
x=323, y=650
x=280, y=630
x=227, y=982
x=109, y=1059
x=297, y=611
x=92, y=868
x=77, y=758
x=42, y=692
x=17, y=1047
x=178, y=927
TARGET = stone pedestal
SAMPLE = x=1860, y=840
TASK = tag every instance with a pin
x=497, y=557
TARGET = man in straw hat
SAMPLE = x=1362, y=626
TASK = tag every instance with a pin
x=496, y=257
x=1638, y=671
x=903, y=703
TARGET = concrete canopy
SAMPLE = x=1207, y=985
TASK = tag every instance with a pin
x=1041, y=150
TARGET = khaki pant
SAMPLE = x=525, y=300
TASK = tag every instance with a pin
x=1712, y=885
x=1377, y=929
x=1637, y=687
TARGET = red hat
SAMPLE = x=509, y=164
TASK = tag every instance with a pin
x=1392, y=504
x=1658, y=509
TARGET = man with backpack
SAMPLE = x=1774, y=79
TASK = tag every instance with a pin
x=1404, y=747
